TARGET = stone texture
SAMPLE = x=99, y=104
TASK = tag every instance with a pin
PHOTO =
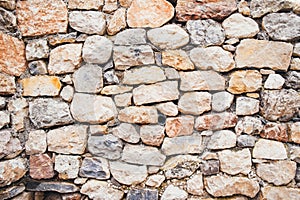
x=274, y=81
x=142, y=194
x=194, y=103
x=152, y=134
x=174, y=192
x=210, y=167
x=38, y=67
x=177, y=59
x=294, y=132
x=67, y=93
x=36, y=143
x=126, y=132
x=150, y=13
x=249, y=125
x=123, y=100
x=51, y=186
x=62, y=38
x=168, y=108
x=275, y=131
x=116, y=89
x=195, y=185
x=171, y=73
x=18, y=109
x=2, y=102
x=95, y=167
x=38, y=17
x=277, y=193
x=179, y=126
x=11, y=192
x=85, y=5
x=216, y=121
x=246, y=141
x=221, y=101
x=244, y=81
x=139, y=115
x=131, y=37
x=37, y=49
x=155, y=180
x=268, y=149
x=117, y=22
x=246, y=106
x=67, y=166
x=8, y=4
x=8, y=85
x=223, y=139
x=292, y=80
x=4, y=119
x=41, y=166
x=110, y=6
x=10, y=147
x=12, y=170
x=8, y=23
x=261, y=54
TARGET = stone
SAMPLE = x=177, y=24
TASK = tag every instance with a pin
x=125, y=3
x=65, y=58
x=201, y=80
x=2, y=102
x=273, y=172
x=11, y=192
x=210, y=167
x=292, y=80
x=97, y=49
x=67, y=166
x=126, y=132
x=101, y=190
x=155, y=180
x=279, y=104
x=216, y=121
x=275, y=131
x=12, y=55
x=89, y=22
x=37, y=49
x=36, y=143
x=86, y=5
x=222, y=186
x=4, y=119
x=194, y=103
x=67, y=93
x=131, y=37
x=110, y=6
x=8, y=4
x=177, y=59
x=221, y=101
x=246, y=141
x=129, y=56
x=123, y=100
x=37, y=17
x=95, y=167
x=143, y=75
x=106, y=146
x=223, y=139
x=296, y=51
x=179, y=126
x=151, y=13
x=293, y=130
x=18, y=109
x=142, y=194
x=128, y=174
x=190, y=144
x=72, y=196
x=257, y=54
x=158, y=92
x=171, y=73
x=110, y=77
x=168, y=108
x=142, y=155
x=12, y=171
x=277, y=193
x=246, y=106
x=249, y=125
x=238, y=26
x=170, y=36
x=45, y=113
x=205, y=32
x=37, y=67
x=24, y=196
x=152, y=134
x=211, y=9
x=244, y=81
x=116, y=89
x=195, y=185
x=62, y=38
x=243, y=8
x=41, y=166
x=10, y=147
x=8, y=85
x=268, y=149
x=174, y=192
x=93, y=108
x=68, y=139
x=41, y=86
x=51, y=186
x=8, y=23
x=274, y=81
x=139, y=115
x=117, y=22
x=98, y=129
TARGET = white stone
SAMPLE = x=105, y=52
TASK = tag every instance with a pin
x=152, y=134
x=194, y=103
x=126, y=132
x=168, y=108
x=268, y=149
x=246, y=106
x=249, y=125
x=36, y=143
x=131, y=37
x=173, y=192
x=221, y=101
x=139, y=115
x=155, y=180
x=67, y=166
x=4, y=119
x=116, y=89
x=123, y=100
x=67, y=93
x=274, y=81
x=222, y=140
x=37, y=49
x=195, y=185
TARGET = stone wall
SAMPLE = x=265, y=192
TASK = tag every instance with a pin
x=149, y=99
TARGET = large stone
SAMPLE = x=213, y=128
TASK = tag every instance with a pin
x=8, y=23
x=261, y=54
x=179, y=126
x=152, y=134
x=85, y=5
x=249, y=125
x=38, y=17
x=149, y=13
x=246, y=106
x=8, y=84
x=10, y=147
x=194, y=103
x=216, y=121
x=11, y=192
x=278, y=193
x=223, y=139
x=12, y=170
x=126, y=132
x=117, y=22
x=139, y=115
x=67, y=166
x=18, y=109
x=36, y=143
x=195, y=185
x=294, y=132
x=268, y=149
x=274, y=81
x=177, y=59
x=174, y=192
x=221, y=101
x=95, y=167
x=51, y=186
x=41, y=166
x=37, y=49
x=131, y=37
x=275, y=131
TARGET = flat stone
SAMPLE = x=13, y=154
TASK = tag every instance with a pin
x=139, y=115
x=45, y=113
x=168, y=108
x=8, y=85
x=98, y=129
x=12, y=171
x=275, y=131
x=261, y=54
x=37, y=49
x=292, y=80
x=293, y=130
x=205, y=32
x=179, y=126
x=116, y=89
x=2, y=102
x=67, y=166
x=194, y=103
x=10, y=147
x=128, y=174
x=221, y=186
x=37, y=17
x=38, y=67
x=131, y=37
x=177, y=59
x=123, y=100
x=11, y=192
x=62, y=38
x=12, y=55
x=67, y=93
x=95, y=167
x=86, y=5
x=126, y=132
x=110, y=6
x=71, y=54
x=89, y=22
x=8, y=4
x=68, y=139
x=246, y=106
x=274, y=81
x=4, y=119
x=41, y=86
x=216, y=121
x=171, y=73
x=210, y=167
x=52, y=186
x=223, y=139
x=277, y=193
x=36, y=143
x=249, y=125
x=195, y=185
x=18, y=109
x=93, y=108
x=244, y=81
x=268, y=149
x=152, y=134
x=150, y=13
x=117, y=22
x=41, y=166
x=142, y=194
x=24, y=196
x=246, y=141
x=174, y=192
x=221, y=101
x=155, y=180
x=170, y=36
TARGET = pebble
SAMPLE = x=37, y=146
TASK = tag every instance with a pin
x=11, y=192
x=210, y=167
x=95, y=167
x=179, y=126
x=110, y=6
x=18, y=109
x=223, y=139
x=246, y=106
x=194, y=103
x=41, y=166
x=4, y=119
x=246, y=141
x=8, y=21
x=155, y=180
x=116, y=89
x=62, y=38
x=8, y=85
x=8, y=4
x=292, y=80
x=67, y=166
x=268, y=149
x=293, y=130
x=126, y=132
x=152, y=134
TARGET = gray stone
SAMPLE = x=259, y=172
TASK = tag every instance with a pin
x=8, y=4
x=210, y=167
x=295, y=64
x=95, y=167
x=123, y=100
x=174, y=192
x=246, y=106
x=177, y=59
x=293, y=80
x=249, y=125
x=139, y=115
x=11, y=192
x=131, y=37
x=278, y=193
x=222, y=140
x=37, y=67
x=126, y=132
x=12, y=171
x=269, y=149
x=274, y=81
x=221, y=101
x=10, y=147
x=296, y=51
x=52, y=186
x=142, y=194
x=36, y=143
x=67, y=93
x=4, y=119
x=37, y=49
x=67, y=166
x=116, y=89
x=110, y=77
x=246, y=141
x=8, y=21
x=194, y=103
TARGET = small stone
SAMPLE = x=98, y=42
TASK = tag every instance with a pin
x=142, y=194
x=117, y=22
x=8, y=22
x=86, y=5
x=115, y=89
x=38, y=67
x=110, y=6
x=89, y=22
x=168, y=108
x=221, y=101
x=243, y=8
x=177, y=59
x=24, y=196
x=62, y=38
x=2, y=102
x=95, y=167
x=65, y=58
x=170, y=36
x=8, y=85
x=293, y=79
x=131, y=37
x=37, y=49
x=277, y=193
x=11, y=192
x=246, y=106
x=294, y=152
x=249, y=125
x=171, y=73
x=274, y=81
x=244, y=81
x=72, y=196
x=294, y=132
x=155, y=180
x=195, y=185
x=230, y=48
x=67, y=166
x=275, y=131
x=174, y=192
x=125, y=3
x=194, y=103
x=41, y=166
x=36, y=143
x=67, y=93
x=139, y=115
x=152, y=134
x=98, y=129
x=126, y=132
x=179, y=126
x=216, y=121
x=223, y=139
x=110, y=77
x=52, y=186
x=123, y=100
x=296, y=51
x=18, y=109
x=246, y=141
x=4, y=119
x=10, y=147
x=268, y=149
x=12, y=171
x=210, y=167
x=8, y=4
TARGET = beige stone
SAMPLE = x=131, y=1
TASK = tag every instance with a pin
x=246, y=106
x=152, y=134
x=177, y=59
x=268, y=149
x=174, y=192
x=278, y=193
x=85, y=5
x=126, y=132
x=139, y=115
x=12, y=170
x=178, y=126
x=222, y=139
x=4, y=119
x=115, y=89
x=194, y=103
x=123, y=100
x=117, y=22
x=10, y=146
x=216, y=121
x=36, y=143
x=67, y=166
x=294, y=132
x=168, y=109
x=274, y=81
x=110, y=6
x=19, y=113
x=7, y=83
x=155, y=180
x=295, y=64
x=67, y=93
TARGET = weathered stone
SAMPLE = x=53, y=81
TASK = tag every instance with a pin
x=275, y=131
x=52, y=186
x=12, y=170
x=67, y=93
x=72, y=196
x=152, y=134
x=294, y=132
x=12, y=55
x=45, y=113
x=168, y=108
x=8, y=4
x=18, y=109
x=296, y=51
x=222, y=140
x=41, y=166
x=174, y=192
x=4, y=119
x=155, y=180
x=37, y=49
x=62, y=38
x=246, y=141
x=195, y=185
x=38, y=17
x=171, y=73
x=115, y=89
x=194, y=103
x=65, y=59
x=123, y=100
x=95, y=167
x=128, y=174
x=10, y=147
x=249, y=125
x=24, y=196
x=36, y=142
x=261, y=54
x=67, y=166
x=246, y=106
x=131, y=37
x=177, y=59
x=274, y=81
x=117, y=22
x=221, y=186
x=85, y=5
x=110, y=76
x=139, y=115
x=293, y=79
x=216, y=121
x=11, y=192
x=268, y=149
x=277, y=193
x=125, y=3
x=244, y=81
x=7, y=83
x=221, y=101
x=126, y=132
x=205, y=32
x=2, y=102
x=210, y=167
x=68, y=139
x=170, y=36
x=8, y=23
x=243, y=8
x=110, y=6
x=142, y=194
x=98, y=129
x=179, y=126
x=38, y=67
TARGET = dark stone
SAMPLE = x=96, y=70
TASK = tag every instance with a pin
x=246, y=141
x=110, y=77
x=60, y=187
x=11, y=192
x=210, y=167
x=297, y=177
x=37, y=67
x=95, y=168
x=293, y=80
x=143, y=194
x=8, y=21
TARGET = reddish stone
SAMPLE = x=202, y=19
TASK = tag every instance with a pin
x=179, y=126
x=216, y=121
x=275, y=131
x=41, y=166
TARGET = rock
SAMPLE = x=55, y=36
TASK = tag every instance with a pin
x=117, y=22
x=139, y=115
x=93, y=108
x=37, y=17
x=86, y=5
x=41, y=166
x=123, y=100
x=67, y=93
x=11, y=192
x=249, y=125
x=243, y=8
x=45, y=113
x=296, y=51
x=110, y=6
x=12, y=57
x=293, y=130
x=268, y=149
x=125, y=3
x=8, y=4
x=68, y=139
x=41, y=86
x=89, y=22
x=238, y=26
x=168, y=108
x=210, y=167
x=95, y=167
x=126, y=132
x=8, y=85
x=246, y=141
x=151, y=13
x=174, y=192
x=205, y=32
x=256, y=53
x=279, y=104
x=12, y=171
x=179, y=126
x=244, y=81
x=62, y=38
x=115, y=89
x=142, y=194
x=275, y=131
x=98, y=129
x=10, y=147
x=128, y=174
x=246, y=106
x=100, y=190
x=38, y=67
x=170, y=36
x=152, y=134
x=37, y=49
x=221, y=101
x=8, y=23
x=177, y=59
x=131, y=37
x=18, y=109
x=24, y=196
x=277, y=193
x=52, y=186
x=67, y=166
x=293, y=79
x=65, y=59
x=216, y=121
x=171, y=73
x=4, y=119
x=211, y=9
x=221, y=186
x=129, y=56
x=72, y=196
x=201, y=80
x=273, y=172
x=110, y=77
x=222, y=140
x=106, y=146
x=155, y=180
x=274, y=81
x=194, y=103
x=195, y=185
x=36, y=143
x=2, y=102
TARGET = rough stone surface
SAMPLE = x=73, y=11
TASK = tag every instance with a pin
x=294, y=132
x=8, y=4
x=168, y=108
x=37, y=49
x=52, y=186
x=177, y=59
x=195, y=185
x=274, y=81
x=8, y=23
x=12, y=170
x=41, y=166
x=275, y=131
x=216, y=121
x=86, y=5
x=115, y=89
x=110, y=6
x=221, y=101
x=67, y=93
x=139, y=115
x=194, y=103
x=179, y=126
x=155, y=180
x=67, y=166
x=18, y=109
x=246, y=106
x=117, y=22
x=131, y=37
x=36, y=143
x=142, y=194
x=10, y=147
x=244, y=81
x=126, y=132
x=95, y=167
x=223, y=139
x=249, y=125
x=292, y=80
x=268, y=149
x=174, y=192
x=7, y=83
x=278, y=193
x=38, y=67
x=246, y=141
x=4, y=119
x=11, y=192
x=152, y=134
